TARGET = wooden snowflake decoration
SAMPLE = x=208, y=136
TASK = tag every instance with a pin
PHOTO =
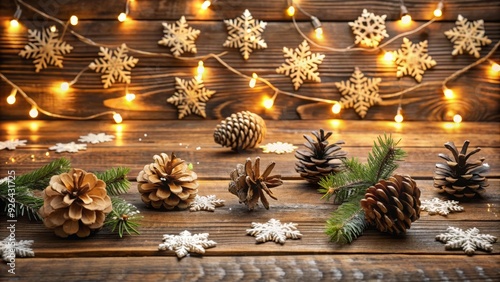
x=206, y=203
x=245, y=33
x=369, y=29
x=359, y=92
x=274, y=230
x=114, y=65
x=186, y=242
x=469, y=240
x=180, y=37
x=45, y=48
x=190, y=97
x=467, y=36
x=438, y=206
x=412, y=59
x=278, y=148
x=301, y=64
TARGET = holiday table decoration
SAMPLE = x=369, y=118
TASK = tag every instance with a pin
x=274, y=230
x=469, y=240
x=12, y=144
x=70, y=147
x=245, y=33
x=186, y=242
x=278, y=148
x=412, y=59
x=180, y=36
x=190, y=97
x=240, y=131
x=12, y=249
x=96, y=138
x=369, y=29
x=438, y=206
x=114, y=65
x=206, y=203
x=467, y=36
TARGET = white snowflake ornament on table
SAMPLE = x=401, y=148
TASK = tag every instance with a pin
x=278, y=148
x=46, y=48
x=469, y=240
x=245, y=33
x=369, y=29
x=301, y=64
x=114, y=65
x=467, y=36
x=206, y=203
x=180, y=36
x=12, y=144
x=186, y=242
x=274, y=230
x=412, y=59
x=96, y=138
x=10, y=248
x=190, y=97
x=438, y=206
x=68, y=147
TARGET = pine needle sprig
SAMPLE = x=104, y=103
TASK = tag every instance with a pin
x=25, y=203
x=115, y=179
x=39, y=179
x=382, y=160
x=347, y=222
x=124, y=218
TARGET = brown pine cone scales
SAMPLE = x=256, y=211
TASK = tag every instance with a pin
x=75, y=202
x=392, y=205
x=240, y=131
x=167, y=183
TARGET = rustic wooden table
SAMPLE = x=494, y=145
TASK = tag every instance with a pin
x=373, y=256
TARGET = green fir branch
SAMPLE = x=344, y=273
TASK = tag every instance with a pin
x=24, y=202
x=382, y=160
x=347, y=222
x=124, y=218
x=115, y=179
x=40, y=178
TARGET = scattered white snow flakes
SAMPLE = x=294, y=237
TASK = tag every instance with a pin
x=68, y=147
x=96, y=138
x=12, y=144
x=186, y=242
x=206, y=203
x=10, y=248
x=278, y=148
x=469, y=240
x=438, y=206
x=274, y=230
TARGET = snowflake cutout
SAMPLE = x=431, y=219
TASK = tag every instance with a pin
x=180, y=37
x=206, y=203
x=412, y=59
x=301, y=64
x=469, y=240
x=185, y=242
x=45, y=48
x=11, y=249
x=190, y=97
x=245, y=33
x=278, y=148
x=438, y=206
x=68, y=147
x=467, y=36
x=274, y=230
x=369, y=29
x=359, y=92
x=114, y=64
x=12, y=144
x=96, y=138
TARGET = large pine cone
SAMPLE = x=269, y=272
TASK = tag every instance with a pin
x=392, y=205
x=249, y=185
x=240, y=131
x=319, y=159
x=167, y=183
x=460, y=177
x=75, y=202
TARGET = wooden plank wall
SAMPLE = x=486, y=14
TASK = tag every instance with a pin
x=478, y=90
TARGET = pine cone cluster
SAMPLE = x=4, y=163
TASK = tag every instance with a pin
x=167, y=183
x=392, y=205
x=240, y=131
x=319, y=158
x=459, y=176
x=249, y=185
x=75, y=202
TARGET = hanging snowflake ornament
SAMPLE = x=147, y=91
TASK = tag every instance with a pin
x=180, y=36
x=301, y=64
x=278, y=148
x=114, y=65
x=96, y=138
x=438, y=206
x=206, y=203
x=12, y=144
x=359, y=92
x=245, y=33
x=412, y=59
x=12, y=249
x=469, y=240
x=274, y=230
x=186, y=242
x=45, y=48
x=190, y=97
x=467, y=36
x=68, y=147
x=369, y=29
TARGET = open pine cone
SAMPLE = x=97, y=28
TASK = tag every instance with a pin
x=458, y=176
x=240, y=131
x=319, y=159
x=249, y=185
x=392, y=205
x=75, y=202
x=167, y=183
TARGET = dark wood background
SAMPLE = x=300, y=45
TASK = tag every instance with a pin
x=153, y=82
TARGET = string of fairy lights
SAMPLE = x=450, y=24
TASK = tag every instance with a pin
x=253, y=78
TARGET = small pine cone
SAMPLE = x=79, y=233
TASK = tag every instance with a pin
x=167, y=183
x=249, y=185
x=240, y=131
x=392, y=205
x=75, y=202
x=319, y=158
x=458, y=176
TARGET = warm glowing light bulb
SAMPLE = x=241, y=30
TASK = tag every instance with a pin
x=336, y=108
x=406, y=19
x=448, y=93
x=290, y=11
x=14, y=23
x=268, y=103
x=122, y=17
x=64, y=86
x=439, y=10
x=33, y=112
x=130, y=97
x=495, y=67
x=117, y=117
x=457, y=118
x=205, y=5
x=73, y=20
x=389, y=56
x=399, y=116
x=12, y=97
x=253, y=81
x=53, y=28
x=201, y=68
x=319, y=32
